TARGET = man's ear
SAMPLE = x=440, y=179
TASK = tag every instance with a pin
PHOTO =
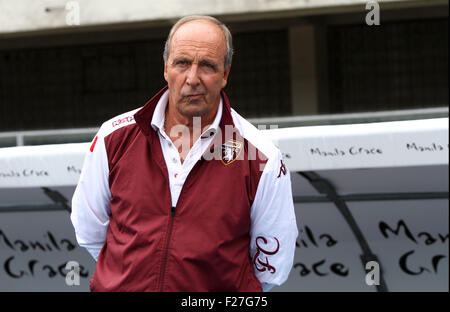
x=165, y=72
x=225, y=76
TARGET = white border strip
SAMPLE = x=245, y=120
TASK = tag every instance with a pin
x=372, y=145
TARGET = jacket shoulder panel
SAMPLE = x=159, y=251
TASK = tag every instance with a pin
x=118, y=122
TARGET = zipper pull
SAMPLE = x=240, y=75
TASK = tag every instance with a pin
x=172, y=211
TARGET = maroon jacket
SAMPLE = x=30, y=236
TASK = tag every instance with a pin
x=203, y=243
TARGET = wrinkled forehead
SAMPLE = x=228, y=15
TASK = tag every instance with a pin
x=199, y=35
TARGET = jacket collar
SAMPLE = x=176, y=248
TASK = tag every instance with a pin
x=144, y=116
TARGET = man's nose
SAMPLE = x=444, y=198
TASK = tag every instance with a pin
x=192, y=75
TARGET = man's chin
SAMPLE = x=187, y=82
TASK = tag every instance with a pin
x=193, y=109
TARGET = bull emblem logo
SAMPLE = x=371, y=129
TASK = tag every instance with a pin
x=230, y=151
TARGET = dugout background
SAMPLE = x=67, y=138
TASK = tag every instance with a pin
x=81, y=80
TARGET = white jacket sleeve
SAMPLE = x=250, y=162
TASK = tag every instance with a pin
x=273, y=225
x=91, y=200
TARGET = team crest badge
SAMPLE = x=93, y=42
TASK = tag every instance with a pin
x=230, y=151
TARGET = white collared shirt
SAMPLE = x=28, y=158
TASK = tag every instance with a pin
x=178, y=171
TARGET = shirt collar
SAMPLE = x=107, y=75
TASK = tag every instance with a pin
x=159, y=114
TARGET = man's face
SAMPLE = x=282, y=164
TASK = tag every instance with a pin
x=195, y=69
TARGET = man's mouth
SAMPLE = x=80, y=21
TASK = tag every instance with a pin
x=195, y=96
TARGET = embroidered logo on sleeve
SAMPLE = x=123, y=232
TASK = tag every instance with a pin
x=230, y=151
x=282, y=169
x=262, y=263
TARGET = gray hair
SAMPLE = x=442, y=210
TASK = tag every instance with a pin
x=184, y=20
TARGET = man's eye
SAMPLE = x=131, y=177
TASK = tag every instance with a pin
x=208, y=65
x=181, y=62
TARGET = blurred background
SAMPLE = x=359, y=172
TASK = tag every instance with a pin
x=68, y=66
x=292, y=58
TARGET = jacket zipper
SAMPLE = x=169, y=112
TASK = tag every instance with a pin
x=169, y=232
x=166, y=249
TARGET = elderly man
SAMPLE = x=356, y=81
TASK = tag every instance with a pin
x=184, y=194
